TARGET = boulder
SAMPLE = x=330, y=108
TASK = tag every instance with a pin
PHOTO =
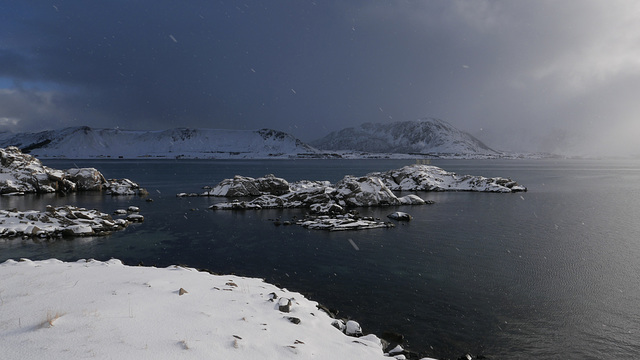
x=284, y=305
x=269, y=184
x=352, y=328
x=400, y=216
x=122, y=187
x=239, y=186
x=86, y=179
x=413, y=200
x=364, y=191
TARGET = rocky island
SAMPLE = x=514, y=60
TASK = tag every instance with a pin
x=22, y=173
x=331, y=205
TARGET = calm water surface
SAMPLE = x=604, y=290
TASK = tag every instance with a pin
x=552, y=273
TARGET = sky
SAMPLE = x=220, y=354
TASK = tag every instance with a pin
x=520, y=75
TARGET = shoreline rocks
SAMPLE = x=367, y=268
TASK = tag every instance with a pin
x=60, y=221
x=24, y=174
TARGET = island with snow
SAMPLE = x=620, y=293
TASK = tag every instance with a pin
x=330, y=205
x=23, y=173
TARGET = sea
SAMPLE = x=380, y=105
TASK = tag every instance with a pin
x=551, y=273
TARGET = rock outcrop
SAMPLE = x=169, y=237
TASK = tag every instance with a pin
x=59, y=221
x=374, y=189
x=22, y=173
x=431, y=178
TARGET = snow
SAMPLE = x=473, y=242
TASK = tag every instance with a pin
x=422, y=136
x=55, y=309
x=400, y=140
x=86, y=142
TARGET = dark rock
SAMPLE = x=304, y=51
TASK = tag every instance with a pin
x=269, y=184
x=400, y=216
x=294, y=320
x=329, y=312
x=284, y=305
x=339, y=324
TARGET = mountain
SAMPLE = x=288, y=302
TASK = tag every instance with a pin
x=86, y=142
x=427, y=135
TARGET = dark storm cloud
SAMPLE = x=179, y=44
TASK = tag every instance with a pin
x=524, y=75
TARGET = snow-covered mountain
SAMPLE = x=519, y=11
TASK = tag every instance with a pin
x=86, y=142
x=423, y=136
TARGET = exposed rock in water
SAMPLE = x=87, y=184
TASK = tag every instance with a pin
x=374, y=189
x=22, y=173
x=342, y=222
x=400, y=216
x=431, y=178
x=58, y=221
x=328, y=203
x=86, y=179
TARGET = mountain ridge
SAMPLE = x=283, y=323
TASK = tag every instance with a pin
x=422, y=136
x=86, y=142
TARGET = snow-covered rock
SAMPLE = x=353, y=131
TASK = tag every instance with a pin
x=412, y=199
x=423, y=136
x=243, y=186
x=342, y=222
x=86, y=179
x=23, y=173
x=364, y=191
x=374, y=189
x=419, y=177
x=400, y=216
x=122, y=187
x=353, y=328
x=58, y=221
x=85, y=142
x=349, y=192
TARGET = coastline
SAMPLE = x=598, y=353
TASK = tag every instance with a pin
x=108, y=309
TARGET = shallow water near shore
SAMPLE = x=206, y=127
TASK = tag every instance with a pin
x=550, y=273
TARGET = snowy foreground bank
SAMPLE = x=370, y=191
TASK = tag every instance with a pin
x=55, y=309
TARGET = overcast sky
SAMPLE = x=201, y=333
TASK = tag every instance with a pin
x=537, y=75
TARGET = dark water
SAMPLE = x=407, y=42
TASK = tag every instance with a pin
x=553, y=273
